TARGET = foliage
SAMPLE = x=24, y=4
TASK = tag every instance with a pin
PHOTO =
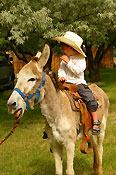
x=19, y=22
x=94, y=21
x=22, y=20
x=28, y=24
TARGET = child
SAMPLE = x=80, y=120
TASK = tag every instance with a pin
x=72, y=69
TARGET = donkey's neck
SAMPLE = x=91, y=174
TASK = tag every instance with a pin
x=50, y=105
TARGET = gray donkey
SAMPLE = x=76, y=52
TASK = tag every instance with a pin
x=34, y=86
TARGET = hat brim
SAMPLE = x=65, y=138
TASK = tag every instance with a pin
x=70, y=43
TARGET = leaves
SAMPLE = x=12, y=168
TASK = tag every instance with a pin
x=28, y=23
x=93, y=20
x=22, y=20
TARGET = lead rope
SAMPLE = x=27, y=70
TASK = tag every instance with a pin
x=11, y=132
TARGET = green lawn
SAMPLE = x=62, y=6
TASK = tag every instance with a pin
x=26, y=153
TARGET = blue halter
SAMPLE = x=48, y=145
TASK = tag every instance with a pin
x=31, y=95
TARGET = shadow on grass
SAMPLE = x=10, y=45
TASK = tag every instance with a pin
x=45, y=166
x=82, y=165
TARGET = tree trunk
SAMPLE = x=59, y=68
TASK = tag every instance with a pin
x=94, y=73
x=93, y=66
x=95, y=63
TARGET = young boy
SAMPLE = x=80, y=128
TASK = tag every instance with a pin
x=72, y=69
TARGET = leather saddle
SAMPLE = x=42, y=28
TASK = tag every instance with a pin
x=77, y=104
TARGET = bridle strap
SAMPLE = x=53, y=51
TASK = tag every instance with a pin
x=19, y=91
x=31, y=95
x=43, y=80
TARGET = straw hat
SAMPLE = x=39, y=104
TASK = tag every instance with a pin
x=73, y=40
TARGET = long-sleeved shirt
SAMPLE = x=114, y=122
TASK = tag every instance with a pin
x=73, y=71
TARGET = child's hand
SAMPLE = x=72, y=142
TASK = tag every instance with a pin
x=62, y=79
x=65, y=58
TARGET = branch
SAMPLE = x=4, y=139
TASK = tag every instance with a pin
x=85, y=16
x=23, y=54
x=20, y=58
x=80, y=11
x=105, y=50
x=97, y=56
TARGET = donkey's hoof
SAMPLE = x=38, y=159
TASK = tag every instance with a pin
x=70, y=172
x=96, y=172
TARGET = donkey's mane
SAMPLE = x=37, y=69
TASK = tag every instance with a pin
x=54, y=79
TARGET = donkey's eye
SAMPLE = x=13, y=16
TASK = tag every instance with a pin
x=31, y=79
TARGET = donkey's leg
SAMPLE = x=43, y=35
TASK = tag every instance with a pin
x=98, y=150
x=57, y=150
x=70, y=148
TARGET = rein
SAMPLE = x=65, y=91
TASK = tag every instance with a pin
x=11, y=132
x=31, y=95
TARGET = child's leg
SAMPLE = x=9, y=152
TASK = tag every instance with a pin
x=96, y=123
x=91, y=104
x=94, y=115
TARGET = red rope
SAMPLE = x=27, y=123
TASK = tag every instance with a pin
x=12, y=131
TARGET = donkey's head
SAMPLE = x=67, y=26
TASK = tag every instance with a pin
x=29, y=87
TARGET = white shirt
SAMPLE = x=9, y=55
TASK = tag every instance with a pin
x=73, y=71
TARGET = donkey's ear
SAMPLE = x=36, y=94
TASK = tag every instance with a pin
x=44, y=56
x=38, y=54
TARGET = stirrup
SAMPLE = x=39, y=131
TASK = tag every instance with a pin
x=97, y=130
x=97, y=123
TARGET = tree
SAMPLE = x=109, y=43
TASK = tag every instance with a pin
x=20, y=24
x=29, y=23
x=94, y=21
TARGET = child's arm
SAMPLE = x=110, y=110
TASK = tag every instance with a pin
x=61, y=71
x=76, y=66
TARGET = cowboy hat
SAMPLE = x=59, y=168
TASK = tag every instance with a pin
x=73, y=40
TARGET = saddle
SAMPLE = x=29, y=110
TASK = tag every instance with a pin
x=77, y=104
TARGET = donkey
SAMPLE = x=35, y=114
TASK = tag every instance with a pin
x=61, y=121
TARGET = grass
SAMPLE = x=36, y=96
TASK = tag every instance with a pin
x=26, y=153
